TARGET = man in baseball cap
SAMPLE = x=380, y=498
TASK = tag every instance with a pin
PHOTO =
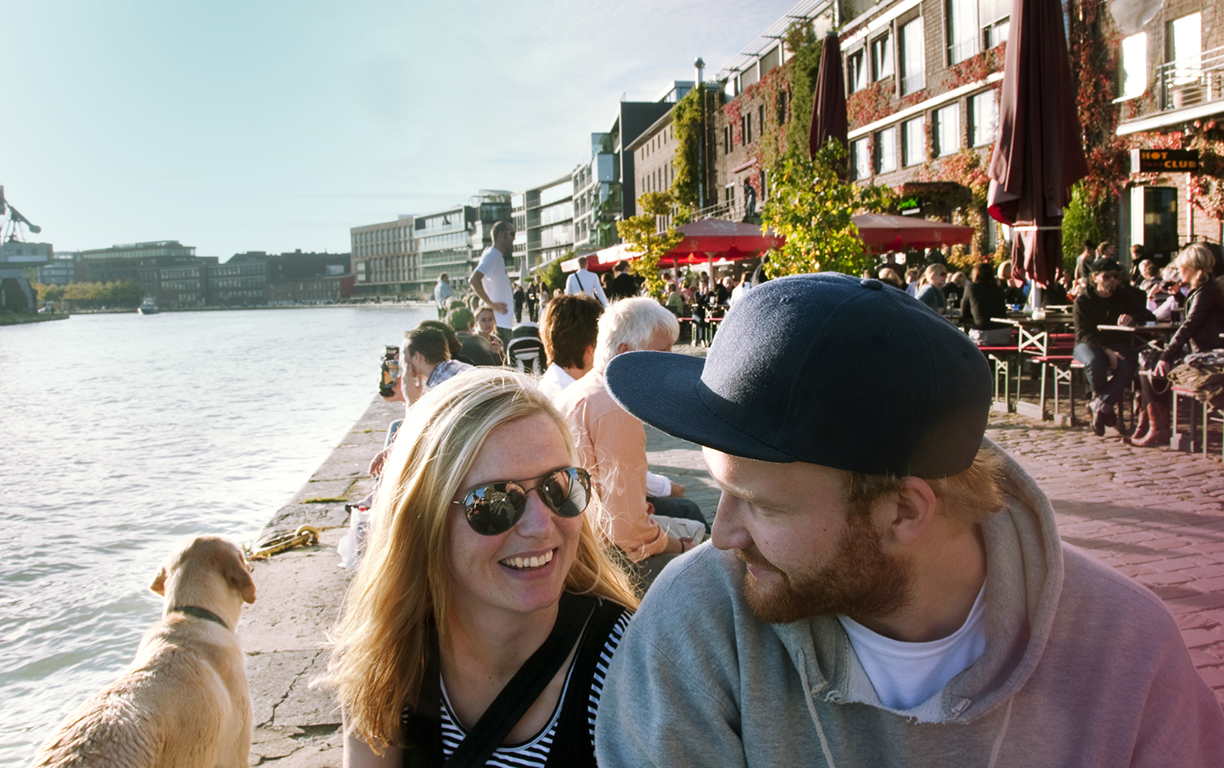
x=885, y=586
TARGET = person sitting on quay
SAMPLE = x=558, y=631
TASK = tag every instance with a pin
x=1201, y=329
x=983, y=306
x=485, y=589
x=930, y=289
x=613, y=444
x=426, y=363
x=673, y=300
x=486, y=328
x=885, y=586
x=1106, y=302
x=477, y=350
x=570, y=330
x=1149, y=276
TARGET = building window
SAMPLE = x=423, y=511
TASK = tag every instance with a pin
x=947, y=130
x=912, y=57
x=886, y=150
x=726, y=139
x=761, y=118
x=856, y=72
x=729, y=194
x=961, y=18
x=764, y=185
x=781, y=107
x=993, y=16
x=746, y=122
x=860, y=159
x=983, y=118
x=881, y=57
x=1133, y=71
x=1184, y=49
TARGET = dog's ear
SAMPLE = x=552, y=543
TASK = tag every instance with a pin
x=159, y=582
x=238, y=577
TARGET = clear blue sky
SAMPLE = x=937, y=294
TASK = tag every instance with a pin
x=274, y=125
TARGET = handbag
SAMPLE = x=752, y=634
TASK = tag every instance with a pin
x=423, y=727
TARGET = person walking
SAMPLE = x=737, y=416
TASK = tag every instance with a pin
x=582, y=281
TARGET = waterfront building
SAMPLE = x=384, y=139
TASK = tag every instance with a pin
x=544, y=223
x=309, y=278
x=491, y=206
x=444, y=240
x=242, y=281
x=59, y=270
x=181, y=286
x=124, y=262
x=605, y=187
x=385, y=260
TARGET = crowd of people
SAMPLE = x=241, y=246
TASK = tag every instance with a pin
x=881, y=585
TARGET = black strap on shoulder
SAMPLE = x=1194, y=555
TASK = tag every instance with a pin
x=423, y=728
x=571, y=745
x=526, y=685
x=423, y=725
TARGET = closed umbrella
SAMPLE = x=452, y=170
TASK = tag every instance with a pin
x=1039, y=153
x=829, y=98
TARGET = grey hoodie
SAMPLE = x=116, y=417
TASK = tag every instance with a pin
x=1082, y=667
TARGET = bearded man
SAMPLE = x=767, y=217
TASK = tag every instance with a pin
x=884, y=586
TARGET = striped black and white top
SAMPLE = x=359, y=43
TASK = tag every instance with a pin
x=534, y=752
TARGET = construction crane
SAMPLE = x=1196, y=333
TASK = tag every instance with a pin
x=15, y=219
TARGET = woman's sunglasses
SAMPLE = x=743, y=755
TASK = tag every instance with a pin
x=494, y=508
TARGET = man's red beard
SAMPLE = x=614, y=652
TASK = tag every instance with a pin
x=859, y=581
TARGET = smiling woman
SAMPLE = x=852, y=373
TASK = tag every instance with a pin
x=476, y=623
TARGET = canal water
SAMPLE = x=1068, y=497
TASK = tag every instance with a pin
x=121, y=434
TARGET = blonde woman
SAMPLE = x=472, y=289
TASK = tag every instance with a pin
x=485, y=548
x=930, y=288
x=1202, y=328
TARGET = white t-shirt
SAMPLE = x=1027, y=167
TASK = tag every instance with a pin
x=554, y=381
x=492, y=268
x=586, y=282
x=906, y=674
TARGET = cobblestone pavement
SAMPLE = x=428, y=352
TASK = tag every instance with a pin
x=1154, y=514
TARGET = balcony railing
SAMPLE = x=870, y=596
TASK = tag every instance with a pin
x=1192, y=81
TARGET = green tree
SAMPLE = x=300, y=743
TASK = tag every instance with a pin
x=812, y=208
x=641, y=234
x=552, y=275
x=1079, y=224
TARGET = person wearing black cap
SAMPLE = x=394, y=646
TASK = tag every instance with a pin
x=885, y=586
x=1106, y=302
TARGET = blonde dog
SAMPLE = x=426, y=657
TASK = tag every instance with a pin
x=184, y=702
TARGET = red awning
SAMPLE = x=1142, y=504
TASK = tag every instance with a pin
x=715, y=238
x=885, y=232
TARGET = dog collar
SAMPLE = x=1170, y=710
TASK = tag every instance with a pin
x=200, y=613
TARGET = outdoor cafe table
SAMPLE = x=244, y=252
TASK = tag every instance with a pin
x=1034, y=332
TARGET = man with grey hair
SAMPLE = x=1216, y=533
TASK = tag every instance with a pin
x=612, y=443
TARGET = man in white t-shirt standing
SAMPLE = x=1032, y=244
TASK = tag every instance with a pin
x=885, y=585
x=586, y=282
x=490, y=281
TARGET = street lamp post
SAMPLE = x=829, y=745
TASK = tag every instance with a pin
x=701, y=150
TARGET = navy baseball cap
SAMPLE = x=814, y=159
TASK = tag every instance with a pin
x=825, y=369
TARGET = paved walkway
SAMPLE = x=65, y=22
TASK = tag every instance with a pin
x=1153, y=514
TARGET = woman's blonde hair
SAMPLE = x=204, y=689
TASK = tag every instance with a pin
x=1197, y=256
x=931, y=271
x=401, y=589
